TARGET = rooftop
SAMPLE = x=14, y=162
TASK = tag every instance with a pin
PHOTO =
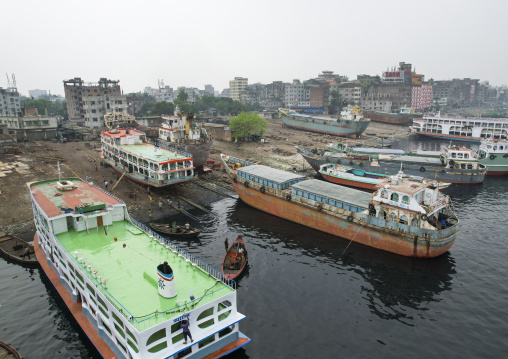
x=269, y=173
x=148, y=151
x=336, y=192
x=131, y=271
x=52, y=200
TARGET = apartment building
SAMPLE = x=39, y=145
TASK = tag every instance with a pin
x=236, y=87
x=10, y=104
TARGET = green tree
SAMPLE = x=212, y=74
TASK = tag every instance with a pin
x=52, y=108
x=148, y=102
x=162, y=108
x=246, y=125
x=182, y=96
x=335, y=103
x=184, y=107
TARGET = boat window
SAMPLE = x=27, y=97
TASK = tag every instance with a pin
x=469, y=167
x=501, y=147
x=494, y=148
x=305, y=195
x=463, y=166
x=299, y=193
x=454, y=155
x=403, y=220
x=346, y=207
x=319, y=199
x=384, y=194
x=338, y=204
x=395, y=197
x=405, y=200
x=325, y=200
x=460, y=155
x=331, y=202
x=382, y=214
x=466, y=155
x=312, y=196
x=392, y=217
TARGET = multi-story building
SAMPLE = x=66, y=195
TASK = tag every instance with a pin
x=28, y=124
x=209, y=90
x=163, y=93
x=296, y=94
x=236, y=87
x=10, y=104
x=350, y=92
x=458, y=92
x=275, y=91
x=385, y=96
x=421, y=96
x=105, y=95
x=192, y=93
x=402, y=74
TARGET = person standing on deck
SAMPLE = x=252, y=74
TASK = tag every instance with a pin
x=184, y=324
x=226, y=244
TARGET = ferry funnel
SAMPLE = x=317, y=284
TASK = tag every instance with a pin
x=166, y=285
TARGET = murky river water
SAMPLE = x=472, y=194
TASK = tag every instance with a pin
x=303, y=298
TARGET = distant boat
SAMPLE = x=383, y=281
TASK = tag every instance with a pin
x=404, y=117
x=354, y=177
x=235, y=259
x=17, y=249
x=351, y=122
x=175, y=230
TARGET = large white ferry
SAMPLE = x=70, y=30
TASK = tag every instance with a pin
x=461, y=129
x=128, y=287
x=127, y=151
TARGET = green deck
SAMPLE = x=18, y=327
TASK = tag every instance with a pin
x=146, y=151
x=131, y=272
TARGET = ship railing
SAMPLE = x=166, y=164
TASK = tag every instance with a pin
x=214, y=273
x=170, y=148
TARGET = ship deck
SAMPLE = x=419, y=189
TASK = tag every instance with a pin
x=146, y=151
x=131, y=271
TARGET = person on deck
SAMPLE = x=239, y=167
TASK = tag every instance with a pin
x=226, y=244
x=184, y=324
x=444, y=224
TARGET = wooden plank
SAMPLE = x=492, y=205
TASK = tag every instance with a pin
x=123, y=174
x=227, y=348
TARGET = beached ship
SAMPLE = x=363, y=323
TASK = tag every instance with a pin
x=353, y=177
x=398, y=217
x=351, y=122
x=181, y=132
x=404, y=117
x=494, y=155
x=127, y=151
x=454, y=164
x=128, y=287
x=461, y=129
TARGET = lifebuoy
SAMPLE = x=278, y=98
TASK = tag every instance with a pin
x=347, y=122
x=443, y=201
x=422, y=169
x=443, y=172
x=451, y=162
x=246, y=183
x=319, y=207
x=371, y=206
x=350, y=218
x=262, y=189
x=424, y=217
x=288, y=197
x=492, y=157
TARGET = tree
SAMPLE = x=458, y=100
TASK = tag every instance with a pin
x=246, y=125
x=182, y=96
x=148, y=102
x=162, y=108
x=335, y=103
x=183, y=106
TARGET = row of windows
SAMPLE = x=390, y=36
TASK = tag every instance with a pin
x=325, y=200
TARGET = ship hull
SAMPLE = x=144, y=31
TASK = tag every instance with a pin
x=391, y=168
x=390, y=118
x=360, y=230
x=199, y=150
x=449, y=137
x=75, y=308
x=341, y=128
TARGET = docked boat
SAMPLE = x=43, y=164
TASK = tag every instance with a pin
x=373, y=151
x=454, y=165
x=235, y=259
x=17, y=249
x=398, y=217
x=494, y=155
x=177, y=231
x=404, y=117
x=461, y=129
x=351, y=122
x=7, y=351
x=128, y=152
x=184, y=134
x=128, y=287
x=353, y=177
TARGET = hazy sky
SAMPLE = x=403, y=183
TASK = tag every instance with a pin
x=193, y=43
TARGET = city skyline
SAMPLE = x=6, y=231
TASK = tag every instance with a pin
x=263, y=42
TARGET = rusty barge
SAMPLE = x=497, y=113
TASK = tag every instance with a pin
x=404, y=216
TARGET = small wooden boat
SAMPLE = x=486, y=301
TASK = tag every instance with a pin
x=8, y=351
x=235, y=260
x=17, y=249
x=174, y=230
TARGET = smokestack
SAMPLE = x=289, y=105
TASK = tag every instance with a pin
x=167, y=288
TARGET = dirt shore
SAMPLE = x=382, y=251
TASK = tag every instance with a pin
x=38, y=161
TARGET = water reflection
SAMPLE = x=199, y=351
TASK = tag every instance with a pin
x=392, y=283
